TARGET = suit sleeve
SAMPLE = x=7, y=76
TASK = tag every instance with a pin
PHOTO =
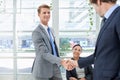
x=89, y=73
x=118, y=34
x=83, y=62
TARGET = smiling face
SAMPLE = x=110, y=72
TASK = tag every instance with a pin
x=44, y=15
x=76, y=51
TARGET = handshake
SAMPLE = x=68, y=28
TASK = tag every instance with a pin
x=69, y=64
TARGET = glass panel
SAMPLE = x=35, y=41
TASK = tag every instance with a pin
x=75, y=16
x=6, y=6
x=27, y=21
x=25, y=77
x=24, y=65
x=27, y=18
x=25, y=42
x=118, y=2
x=6, y=66
x=6, y=22
x=27, y=54
x=6, y=77
x=67, y=43
x=6, y=54
x=33, y=3
x=6, y=26
x=6, y=42
x=77, y=23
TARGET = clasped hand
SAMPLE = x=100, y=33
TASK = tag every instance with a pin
x=69, y=64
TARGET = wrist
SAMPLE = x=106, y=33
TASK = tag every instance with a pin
x=62, y=62
x=76, y=63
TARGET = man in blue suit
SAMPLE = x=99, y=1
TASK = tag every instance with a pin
x=106, y=58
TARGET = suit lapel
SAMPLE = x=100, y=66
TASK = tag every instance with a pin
x=43, y=31
x=46, y=38
x=44, y=35
x=106, y=24
x=104, y=27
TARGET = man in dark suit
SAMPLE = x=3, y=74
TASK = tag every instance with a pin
x=106, y=58
x=47, y=60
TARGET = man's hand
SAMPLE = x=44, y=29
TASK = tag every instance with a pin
x=72, y=78
x=69, y=64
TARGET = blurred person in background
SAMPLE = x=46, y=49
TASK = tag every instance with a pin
x=78, y=73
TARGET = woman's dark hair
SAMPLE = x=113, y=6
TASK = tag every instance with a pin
x=95, y=1
x=77, y=45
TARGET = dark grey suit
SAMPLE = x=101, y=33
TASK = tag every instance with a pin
x=107, y=51
x=45, y=64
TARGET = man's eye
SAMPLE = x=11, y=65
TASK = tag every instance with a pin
x=48, y=12
x=44, y=12
x=75, y=49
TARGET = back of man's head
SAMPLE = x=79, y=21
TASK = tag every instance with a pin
x=107, y=1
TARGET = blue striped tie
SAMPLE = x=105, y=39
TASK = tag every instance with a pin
x=52, y=42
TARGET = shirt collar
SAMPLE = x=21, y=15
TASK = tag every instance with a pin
x=109, y=12
x=44, y=26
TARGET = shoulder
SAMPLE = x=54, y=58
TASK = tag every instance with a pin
x=118, y=12
x=39, y=28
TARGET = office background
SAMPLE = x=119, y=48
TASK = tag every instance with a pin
x=74, y=21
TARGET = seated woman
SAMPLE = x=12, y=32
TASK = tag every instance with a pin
x=79, y=73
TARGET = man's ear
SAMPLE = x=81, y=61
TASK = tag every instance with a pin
x=98, y=2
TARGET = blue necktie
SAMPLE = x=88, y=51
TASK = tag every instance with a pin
x=52, y=42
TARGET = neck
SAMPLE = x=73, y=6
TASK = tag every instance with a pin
x=76, y=58
x=44, y=23
x=107, y=6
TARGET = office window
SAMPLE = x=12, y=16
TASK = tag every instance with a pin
x=18, y=18
x=77, y=24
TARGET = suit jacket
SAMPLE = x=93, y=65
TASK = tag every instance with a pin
x=44, y=60
x=88, y=73
x=106, y=57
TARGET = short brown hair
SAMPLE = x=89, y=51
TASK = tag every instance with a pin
x=95, y=1
x=42, y=6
